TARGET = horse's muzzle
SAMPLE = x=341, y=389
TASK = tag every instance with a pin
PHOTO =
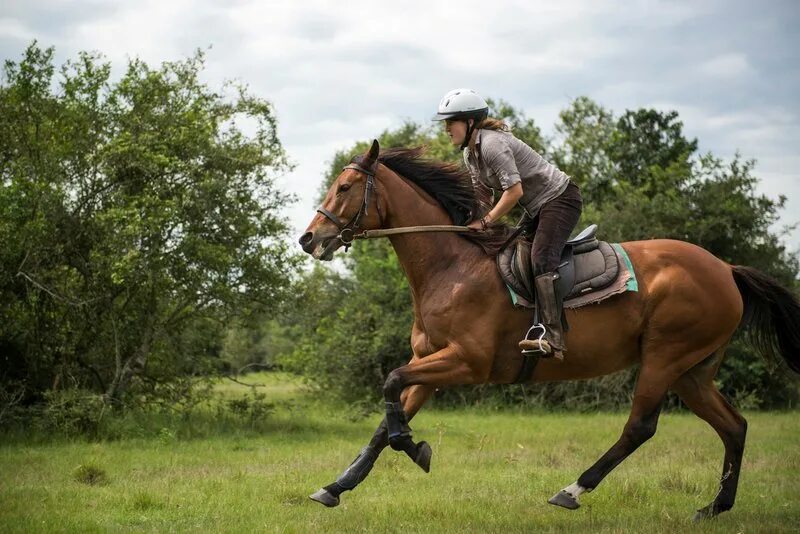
x=320, y=248
x=307, y=242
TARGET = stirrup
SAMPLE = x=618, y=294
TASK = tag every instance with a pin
x=540, y=344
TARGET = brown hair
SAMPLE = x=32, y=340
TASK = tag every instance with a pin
x=488, y=123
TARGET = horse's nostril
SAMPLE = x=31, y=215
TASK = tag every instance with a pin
x=306, y=238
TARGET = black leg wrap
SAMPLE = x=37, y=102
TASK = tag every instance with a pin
x=397, y=423
x=349, y=479
x=358, y=470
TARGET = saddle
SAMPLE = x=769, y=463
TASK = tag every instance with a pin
x=587, y=265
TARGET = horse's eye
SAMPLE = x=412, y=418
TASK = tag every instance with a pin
x=343, y=188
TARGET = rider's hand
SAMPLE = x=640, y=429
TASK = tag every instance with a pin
x=481, y=224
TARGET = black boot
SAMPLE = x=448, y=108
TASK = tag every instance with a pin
x=549, y=307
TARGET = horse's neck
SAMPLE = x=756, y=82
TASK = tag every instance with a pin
x=425, y=255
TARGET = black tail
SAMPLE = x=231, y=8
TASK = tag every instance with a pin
x=773, y=314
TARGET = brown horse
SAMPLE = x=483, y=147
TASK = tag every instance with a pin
x=676, y=327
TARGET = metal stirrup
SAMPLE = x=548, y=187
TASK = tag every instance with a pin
x=539, y=339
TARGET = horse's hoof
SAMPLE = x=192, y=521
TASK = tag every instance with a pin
x=565, y=500
x=323, y=496
x=704, y=513
x=424, y=454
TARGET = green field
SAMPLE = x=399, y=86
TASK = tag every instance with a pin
x=490, y=472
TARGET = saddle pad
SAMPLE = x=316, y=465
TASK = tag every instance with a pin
x=606, y=272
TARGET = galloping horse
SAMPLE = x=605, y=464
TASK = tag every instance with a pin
x=676, y=327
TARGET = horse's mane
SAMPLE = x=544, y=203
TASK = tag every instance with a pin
x=451, y=186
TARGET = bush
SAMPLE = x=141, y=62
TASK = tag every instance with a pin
x=72, y=412
x=252, y=409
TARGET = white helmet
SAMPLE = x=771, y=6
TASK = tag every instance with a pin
x=462, y=104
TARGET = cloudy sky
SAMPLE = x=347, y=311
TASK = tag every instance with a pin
x=344, y=71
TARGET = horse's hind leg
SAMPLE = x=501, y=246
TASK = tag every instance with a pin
x=412, y=399
x=697, y=390
x=651, y=388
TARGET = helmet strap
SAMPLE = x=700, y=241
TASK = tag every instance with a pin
x=468, y=137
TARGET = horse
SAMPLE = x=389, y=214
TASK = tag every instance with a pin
x=676, y=327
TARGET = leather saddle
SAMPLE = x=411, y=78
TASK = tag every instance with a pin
x=587, y=265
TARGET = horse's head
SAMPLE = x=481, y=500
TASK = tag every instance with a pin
x=349, y=207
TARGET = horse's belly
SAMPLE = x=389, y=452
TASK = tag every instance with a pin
x=602, y=339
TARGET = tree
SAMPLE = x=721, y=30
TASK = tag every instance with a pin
x=585, y=132
x=139, y=219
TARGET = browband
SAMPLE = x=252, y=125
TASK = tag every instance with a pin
x=357, y=167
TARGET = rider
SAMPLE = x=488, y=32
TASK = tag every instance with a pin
x=498, y=160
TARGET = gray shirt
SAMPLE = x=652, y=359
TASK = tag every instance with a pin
x=505, y=161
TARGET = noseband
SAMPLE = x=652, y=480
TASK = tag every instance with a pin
x=347, y=231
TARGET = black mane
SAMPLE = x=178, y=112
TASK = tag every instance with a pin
x=450, y=185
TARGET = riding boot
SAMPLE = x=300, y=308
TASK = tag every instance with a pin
x=550, y=310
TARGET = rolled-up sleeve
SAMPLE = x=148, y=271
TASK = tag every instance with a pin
x=500, y=160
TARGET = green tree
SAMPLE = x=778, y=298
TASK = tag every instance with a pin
x=137, y=219
x=584, y=134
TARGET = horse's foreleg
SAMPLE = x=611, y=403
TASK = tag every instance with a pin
x=412, y=399
x=441, y=368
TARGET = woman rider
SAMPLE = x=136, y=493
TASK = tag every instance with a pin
x=498, y=160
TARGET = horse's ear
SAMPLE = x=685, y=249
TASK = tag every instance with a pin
x=374, y=150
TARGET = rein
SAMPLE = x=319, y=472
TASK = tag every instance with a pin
x=370, y=234
x=347, y=231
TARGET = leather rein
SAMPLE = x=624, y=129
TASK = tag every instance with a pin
x=347, y=230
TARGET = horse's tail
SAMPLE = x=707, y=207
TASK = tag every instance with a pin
x=772, y=314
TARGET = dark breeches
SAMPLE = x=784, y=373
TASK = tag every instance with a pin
x=551, y=228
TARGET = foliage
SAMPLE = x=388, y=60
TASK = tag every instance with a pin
x=71, y=412
x=641, y=178
x=251, y=408
x=137, y=220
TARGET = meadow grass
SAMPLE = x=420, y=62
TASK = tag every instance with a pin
x=491, y=472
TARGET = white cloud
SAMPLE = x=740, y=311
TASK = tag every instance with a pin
x=726, y=66
x=15, y=29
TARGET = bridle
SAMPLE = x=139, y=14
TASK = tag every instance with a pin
x=347, y=231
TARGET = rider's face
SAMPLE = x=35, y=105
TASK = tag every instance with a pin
x=457, y=130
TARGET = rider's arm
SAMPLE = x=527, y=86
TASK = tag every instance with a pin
x=507, y=200
x=500, y=159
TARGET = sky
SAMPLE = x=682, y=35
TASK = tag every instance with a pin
x=339, y=72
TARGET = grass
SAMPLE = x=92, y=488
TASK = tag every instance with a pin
x=490, y=472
